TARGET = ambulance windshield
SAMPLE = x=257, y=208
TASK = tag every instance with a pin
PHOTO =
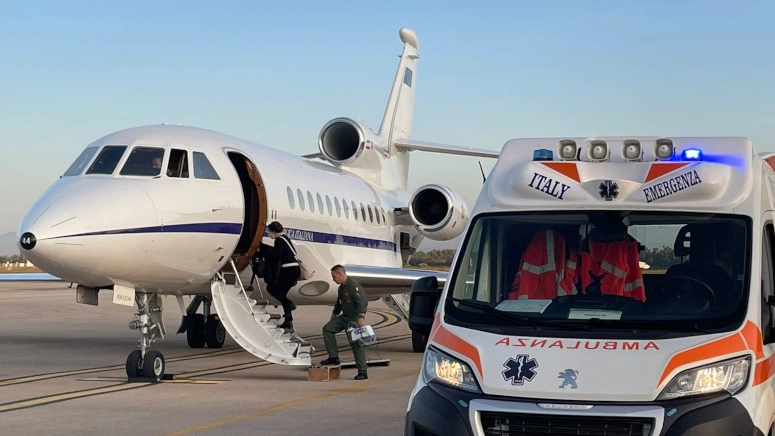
x=603, y=270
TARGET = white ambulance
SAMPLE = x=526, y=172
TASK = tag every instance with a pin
x=606, y=286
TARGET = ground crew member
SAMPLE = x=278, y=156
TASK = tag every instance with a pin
x=351, y=302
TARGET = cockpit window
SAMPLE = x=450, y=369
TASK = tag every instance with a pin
x=178, y=166
x=202, y=167
x=143, y=161
x=78, y=166
x=107, y=160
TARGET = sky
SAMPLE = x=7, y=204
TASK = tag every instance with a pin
x=276, y=72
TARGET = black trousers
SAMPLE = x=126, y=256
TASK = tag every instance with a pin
x=279, y=289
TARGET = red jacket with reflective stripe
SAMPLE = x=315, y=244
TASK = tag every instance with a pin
x=544, y=271
x=618, y=263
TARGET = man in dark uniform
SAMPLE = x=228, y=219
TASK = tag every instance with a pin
x=351, y=302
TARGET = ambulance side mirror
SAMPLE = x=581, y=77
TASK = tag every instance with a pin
x=424, y=297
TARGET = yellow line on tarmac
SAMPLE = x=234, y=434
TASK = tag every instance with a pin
x=182, y=380
x=362, y=386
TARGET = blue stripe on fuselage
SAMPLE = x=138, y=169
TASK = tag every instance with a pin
x=330, y=238
x=236, y=229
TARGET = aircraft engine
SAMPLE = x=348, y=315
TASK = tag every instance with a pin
x=438, y=212
x=342, y=140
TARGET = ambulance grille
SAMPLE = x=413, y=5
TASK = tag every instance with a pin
x=519, y=424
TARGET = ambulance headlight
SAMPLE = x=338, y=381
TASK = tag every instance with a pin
x=631, y=150
x=598, y=150
x=449, y=371
x=729, y=375
x=568, y=150
x=663, y=149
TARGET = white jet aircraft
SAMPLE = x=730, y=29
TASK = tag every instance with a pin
x=182, y=225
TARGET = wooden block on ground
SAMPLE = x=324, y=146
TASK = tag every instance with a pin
x=323, y=373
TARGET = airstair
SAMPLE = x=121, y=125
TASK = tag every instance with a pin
x=252, y=327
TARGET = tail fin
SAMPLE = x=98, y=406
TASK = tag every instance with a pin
x=397, y=121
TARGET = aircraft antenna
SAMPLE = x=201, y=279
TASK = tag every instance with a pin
x=484, y=179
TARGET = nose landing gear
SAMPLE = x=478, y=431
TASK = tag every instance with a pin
x=146, y=363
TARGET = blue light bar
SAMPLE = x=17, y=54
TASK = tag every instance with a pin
x=543, y=154
x=691, y=154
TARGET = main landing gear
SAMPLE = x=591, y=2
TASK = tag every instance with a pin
x=419, y=342
x=202, y=329
x=144, y=362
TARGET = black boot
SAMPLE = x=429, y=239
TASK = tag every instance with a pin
x=361, y=376
x=331, y=361
x=287, y=324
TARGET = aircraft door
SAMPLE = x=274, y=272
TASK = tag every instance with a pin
x=255, y=210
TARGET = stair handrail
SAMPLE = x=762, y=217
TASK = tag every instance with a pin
x=241, y=286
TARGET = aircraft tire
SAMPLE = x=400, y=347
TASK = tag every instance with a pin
x=133, y=364
x=419, y=342
x=195, y=330
x=153, y=365
x=215, y=332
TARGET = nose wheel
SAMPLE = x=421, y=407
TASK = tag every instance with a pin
x=151, y=366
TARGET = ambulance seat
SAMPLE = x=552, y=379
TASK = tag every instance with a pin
x=700, y=267
x=544, y=283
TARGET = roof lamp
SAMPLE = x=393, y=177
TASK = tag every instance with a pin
x=663, y=149
x=691, y=154
x=568, y=150
x=598, y=150
x=543, y=154
x=631, y=150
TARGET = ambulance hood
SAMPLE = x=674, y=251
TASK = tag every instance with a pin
x=582, y=369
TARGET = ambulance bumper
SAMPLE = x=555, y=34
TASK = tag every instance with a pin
x=438, y=410
x=713, y=417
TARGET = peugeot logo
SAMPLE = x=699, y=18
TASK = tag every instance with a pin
x=28, y=241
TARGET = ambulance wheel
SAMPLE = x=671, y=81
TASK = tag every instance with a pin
x=133, y=364
x=195, y=330
x=419, y=342
x=153, y=365
x=215, y=332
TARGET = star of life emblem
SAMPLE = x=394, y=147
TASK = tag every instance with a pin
x=609, y=190
x=520, y=369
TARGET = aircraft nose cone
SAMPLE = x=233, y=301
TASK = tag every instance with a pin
x=28, y=241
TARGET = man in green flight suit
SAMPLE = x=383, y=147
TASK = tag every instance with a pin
x=351, y=302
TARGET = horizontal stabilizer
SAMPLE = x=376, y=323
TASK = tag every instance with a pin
x=410, y=145
x=381, y=281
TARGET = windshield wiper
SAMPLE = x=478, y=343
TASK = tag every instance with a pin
x=635, y=325
x=509, y=316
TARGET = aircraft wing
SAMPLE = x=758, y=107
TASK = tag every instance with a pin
x=381, y=281
x=410, y=144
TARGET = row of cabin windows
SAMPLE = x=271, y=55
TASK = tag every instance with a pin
x=143, y=161
x=374, y=213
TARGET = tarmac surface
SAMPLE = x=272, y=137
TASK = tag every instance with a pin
x=62, y=371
